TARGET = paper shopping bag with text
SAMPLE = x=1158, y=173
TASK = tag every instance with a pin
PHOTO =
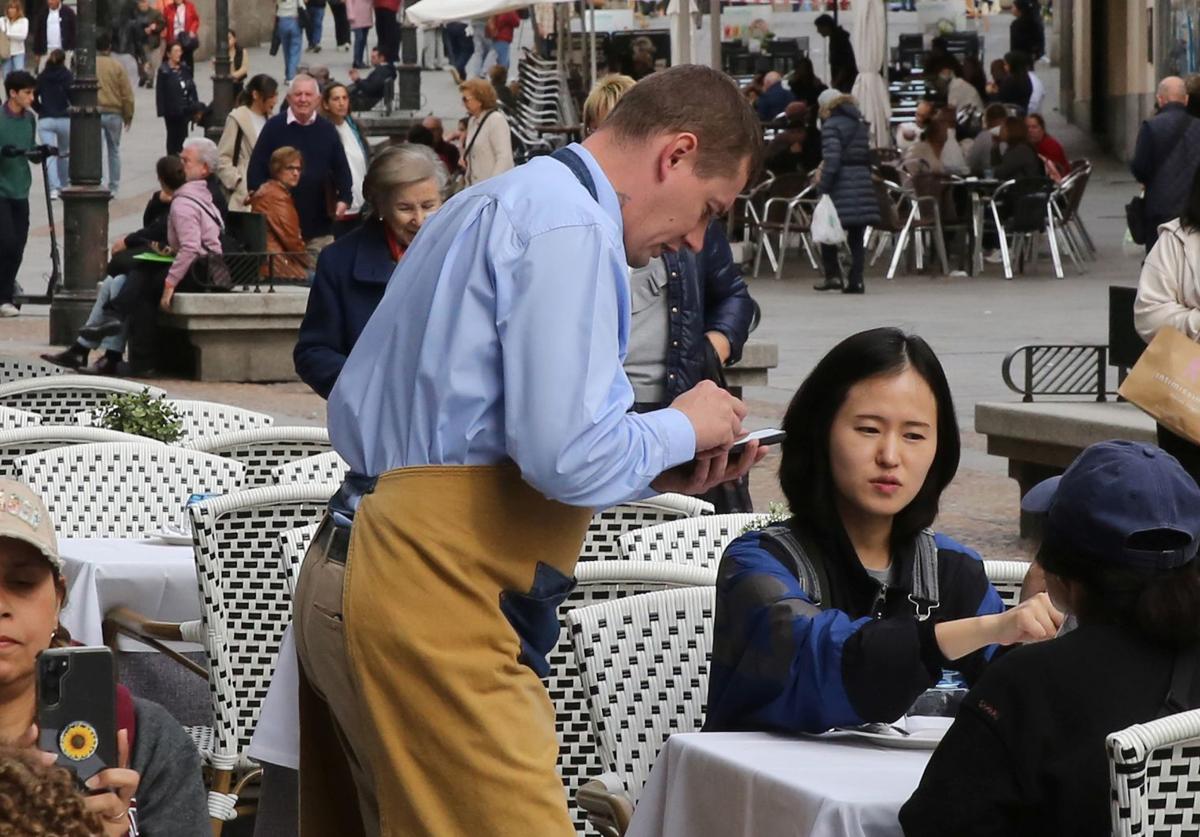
x=1165, y=382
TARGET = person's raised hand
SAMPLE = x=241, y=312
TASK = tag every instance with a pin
x=716, y=417
x=113, y=790
x=700, y=475
x=1033, y=620
x=118, y=246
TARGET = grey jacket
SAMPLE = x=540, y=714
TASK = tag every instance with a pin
x=846, y=169
x=171, y=800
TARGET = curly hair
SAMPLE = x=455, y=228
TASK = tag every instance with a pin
x=40, y=801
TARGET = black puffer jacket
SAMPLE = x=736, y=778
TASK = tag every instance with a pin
x=846, y=172
x=175, y=91
x=705, y=292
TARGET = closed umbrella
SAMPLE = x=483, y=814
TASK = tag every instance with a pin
x=869, y=39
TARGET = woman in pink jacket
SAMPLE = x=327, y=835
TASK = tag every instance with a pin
x=362, y=18
x=194, y=223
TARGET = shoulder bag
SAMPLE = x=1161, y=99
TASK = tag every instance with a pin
x=212, y=272
x=475, y=136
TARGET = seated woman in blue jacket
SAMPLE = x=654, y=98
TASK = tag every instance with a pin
x=851, y=609
x=403, y=187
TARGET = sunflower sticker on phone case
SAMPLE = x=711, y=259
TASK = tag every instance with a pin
x=78, y=740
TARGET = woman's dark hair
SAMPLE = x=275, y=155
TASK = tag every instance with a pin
x=999, y=71
x=1018, y=63
x=327, y=92
x=56, y=57
x=1014, y=131
x=170, y=172
x=805, y=473
x=1189, y=219
x=263, y=85
x=1161, y=605
x=802, y=72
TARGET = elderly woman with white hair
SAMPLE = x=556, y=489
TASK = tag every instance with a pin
x=403, y=187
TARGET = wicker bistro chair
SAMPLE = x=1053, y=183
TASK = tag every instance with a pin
x=1154, y=775
x=697, y=541
x=262, y=449
x=579, y=757
x=140, y=487
x=324, y=467
x=201, y=419
x=292, y=545
x=609, y=524
x=246, y=603
x=1031, y=209
x=12, y=418
x=786, y=211
x=643, y=664
x=22, y=368
x=23, y=441
x=58, y=398
x=1007, y=577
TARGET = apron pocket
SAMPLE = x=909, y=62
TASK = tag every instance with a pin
x=534, y=615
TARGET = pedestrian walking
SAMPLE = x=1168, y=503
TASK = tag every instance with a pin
x=18, y=129
x=513, y=406
x=361, y=17
x=459, y=48
x=183, y=28
x=488, y=151
x=387, y=29
x=176, y=97
x=341, y=24
x=115, y=98
x=316, y=24
x=14, y=27
x=846, y=178
x=291, y=38
x=500, y=33
x=145, y=29
x=242, y=127
x=1166, y=157
x=53, y=28
x=53, y=106
x=482, y=44
x=239, y=63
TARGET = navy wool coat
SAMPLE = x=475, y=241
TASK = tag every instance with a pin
x=846, y=170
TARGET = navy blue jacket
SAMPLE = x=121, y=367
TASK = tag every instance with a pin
x=705, y=292
x=782, y=663
x=846, y=175
x=773, y=102
x=352, y=274
x=325, y=165
x=1164, y=161
x=53, y=92
x=175, y=91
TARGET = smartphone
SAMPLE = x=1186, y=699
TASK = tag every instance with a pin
x=767, y=436
x=77, y=708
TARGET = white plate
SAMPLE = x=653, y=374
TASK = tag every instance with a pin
x=924, y=734
x=171, y=537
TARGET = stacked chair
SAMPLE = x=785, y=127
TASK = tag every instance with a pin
x=58, y=398
x=266, y=448
x=541, y=103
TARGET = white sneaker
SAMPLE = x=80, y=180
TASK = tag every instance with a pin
x=344, y=47
x=993, y=257
x=9, y=310
x=957, y=274
x=54, y=195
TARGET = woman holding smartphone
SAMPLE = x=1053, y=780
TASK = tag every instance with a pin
x=846, y=612
x=158, y=762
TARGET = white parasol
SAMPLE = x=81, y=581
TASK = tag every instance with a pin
x=869, y=39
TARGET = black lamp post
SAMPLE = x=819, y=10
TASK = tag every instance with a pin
x=85, y=201
x=222, y=102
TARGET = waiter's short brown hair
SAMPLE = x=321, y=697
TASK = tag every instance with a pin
x=695, y=99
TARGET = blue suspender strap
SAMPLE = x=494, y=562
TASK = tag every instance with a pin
x=578, y=168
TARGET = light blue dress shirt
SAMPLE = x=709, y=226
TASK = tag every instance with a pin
x=501, y=336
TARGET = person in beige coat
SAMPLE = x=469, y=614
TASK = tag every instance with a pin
x=240, y=134
x=488, y=149
x=1168, y=294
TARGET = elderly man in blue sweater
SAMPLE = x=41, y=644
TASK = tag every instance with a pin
x=324, y=160
x=775, y=97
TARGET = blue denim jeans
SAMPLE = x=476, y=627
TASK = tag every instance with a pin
x=112, y=125
x=360, y=45
x=316, y=24
x=56, y=131
x=12, y=64
x=501, y=48
x=482, y=44
x=109, y=288
x=291, y=41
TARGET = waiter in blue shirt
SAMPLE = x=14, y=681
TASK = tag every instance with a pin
x=485, y=415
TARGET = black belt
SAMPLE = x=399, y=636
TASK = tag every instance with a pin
x=333, y=540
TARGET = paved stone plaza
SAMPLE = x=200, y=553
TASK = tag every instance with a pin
x=971, y=322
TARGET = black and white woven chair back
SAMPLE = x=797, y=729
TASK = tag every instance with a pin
x=609, y=524
x=263, y=449
x=19, y=368
x=598, y=581
x=324, y=467
x=1007, y=577
x=1154, y=777
x=643, y=663
x=12, y=418
x=23, y=441
x=699, y=541
x=58, y=398
x=133, y=489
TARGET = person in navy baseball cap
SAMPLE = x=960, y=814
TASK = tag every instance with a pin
x=1026, y=752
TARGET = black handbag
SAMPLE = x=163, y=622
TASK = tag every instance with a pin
x=275, y=39
x=1135, y=219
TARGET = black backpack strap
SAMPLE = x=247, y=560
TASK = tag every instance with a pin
x=924, y=595
x=237, y=148
x=811, y=574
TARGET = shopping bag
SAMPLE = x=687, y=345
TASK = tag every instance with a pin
x=1165, y=382
x=826, y=228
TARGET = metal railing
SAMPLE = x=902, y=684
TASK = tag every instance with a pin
x=1078, y=369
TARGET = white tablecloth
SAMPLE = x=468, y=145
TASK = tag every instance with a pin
x=275, y=737
x=156, y=580
x=718, y=784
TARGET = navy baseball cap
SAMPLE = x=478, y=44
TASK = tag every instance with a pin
x=1117, y=495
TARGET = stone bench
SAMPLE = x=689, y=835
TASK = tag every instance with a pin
x=241, y=336
x=1040, y=439
x=246, y=336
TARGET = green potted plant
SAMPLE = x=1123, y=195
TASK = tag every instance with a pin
x=142, y=414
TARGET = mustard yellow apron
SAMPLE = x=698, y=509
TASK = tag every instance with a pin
x=444, y=727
